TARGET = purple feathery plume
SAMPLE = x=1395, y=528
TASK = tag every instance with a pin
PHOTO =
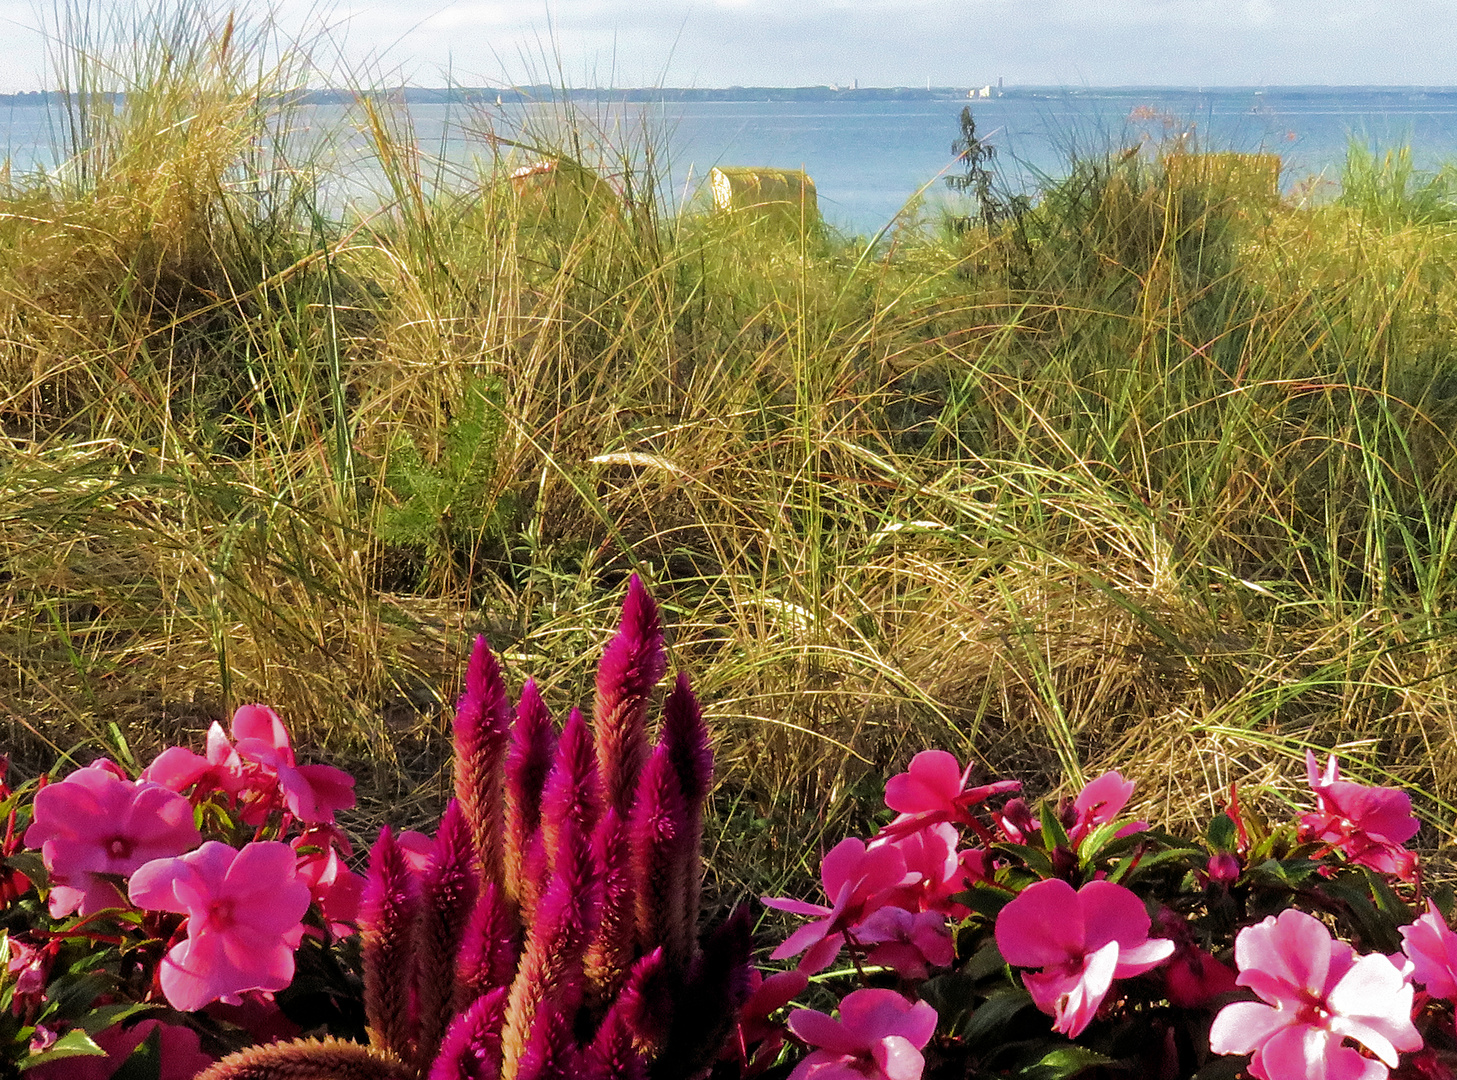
x=447, y=899
x=387, y=922
x=551, y=1049
x=684, y=738
x=718, y=984
x=528, y=761
x=572, y=792
x=659, y=832
x=488, y=949
x=611, y=953
x=551, y=973
x=472, y=1046
x=631, y=666
x=482, y=725
x=637, y=1024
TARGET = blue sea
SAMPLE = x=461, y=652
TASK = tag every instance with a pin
x=868, y=158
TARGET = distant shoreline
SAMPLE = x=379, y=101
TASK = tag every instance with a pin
x=476, y=95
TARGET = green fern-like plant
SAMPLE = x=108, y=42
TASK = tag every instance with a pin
x=448, y=507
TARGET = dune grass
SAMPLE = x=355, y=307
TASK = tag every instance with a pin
x=1159, y=477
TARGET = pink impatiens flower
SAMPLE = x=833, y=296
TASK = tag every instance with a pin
x=910, y=942
x=1317, y=993
x=857, y=880
x=244, y=911
x=1432, y=949
x=1082, y=941
x=257, y=767
x=879, y=1036
x=1369, y=825
x=933, y=790
x=97, y=822
x=1100, y=802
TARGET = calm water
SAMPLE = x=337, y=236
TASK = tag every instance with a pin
x=868, y=157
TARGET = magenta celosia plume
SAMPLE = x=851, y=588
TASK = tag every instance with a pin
x=481, y=730
x=631, y=666
x=1316, y=994
x=550, y=929
x=528, y=761
x=658, y=836
x=244, y=919
x=388, y=917
x=1082, y=940
x=448, y=890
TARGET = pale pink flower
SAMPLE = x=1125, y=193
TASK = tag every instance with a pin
x=244, y=911
x=1432, y=949
x=1082, y=941
x=181, y=1056
x=96, y=822
x=879, y=1036
x=910, y=942
x=933, y=790
x=1316, y=994
x=1369, y=825
x=1099, y=803
x=857, y=880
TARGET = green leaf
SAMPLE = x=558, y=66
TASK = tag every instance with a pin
x=1065, y=1061
x=985, y=900
x=31, y=865
x=98, y=1020
x=1222, y=834
x=1034, y=858
x=952, y=996
x=1387, y=902
x=987, y=960
x=992, y=1016
x=1129, y=868
x=1288, y=872
x=1053, y=834
x=1095, y=841
x=74, y=1043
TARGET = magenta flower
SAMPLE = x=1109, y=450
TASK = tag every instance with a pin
x=1317, y=993
x=1432, y=949
x=933, y=790
x=879, y=1036
x=857, y=880
x=930, y=852
x=311, y=792
x=1100, y=802
x=910, y=942
x=177, y=768
x=1082, y=941
x=331, y=884
x=1369, y=825
x=243, y=913
x=94, y=822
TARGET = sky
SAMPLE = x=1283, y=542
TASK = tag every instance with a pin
x=962, y=43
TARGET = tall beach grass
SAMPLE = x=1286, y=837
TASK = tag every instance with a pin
x=1158, y=476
